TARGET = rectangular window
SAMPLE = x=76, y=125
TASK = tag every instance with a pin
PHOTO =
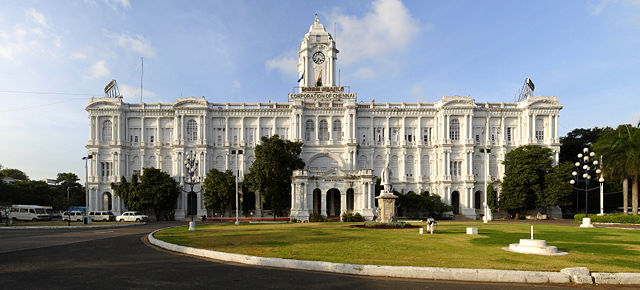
x=379, y=131
x=167, y=135
x=539, y=135
x=426, y=135
x=477, y=138
x=235, y=135
x=134, y=135
x=251, y=136
x=455, y=168
x=509, y=134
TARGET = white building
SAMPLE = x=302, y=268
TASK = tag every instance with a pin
x=429, y=146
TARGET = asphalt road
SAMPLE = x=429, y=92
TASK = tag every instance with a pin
x=122, y=258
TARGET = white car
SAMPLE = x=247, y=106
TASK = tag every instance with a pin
x=74, y=216
x=104, y=216
x=132, y=216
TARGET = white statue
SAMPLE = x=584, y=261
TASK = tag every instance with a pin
x=386, y=182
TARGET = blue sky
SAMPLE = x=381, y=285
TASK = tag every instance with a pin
x=584, y=52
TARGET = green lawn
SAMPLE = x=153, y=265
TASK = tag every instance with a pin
x=600, y=249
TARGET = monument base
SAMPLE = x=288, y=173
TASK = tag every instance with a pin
x=386, y=207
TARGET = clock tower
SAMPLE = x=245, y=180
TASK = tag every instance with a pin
x=317, y=58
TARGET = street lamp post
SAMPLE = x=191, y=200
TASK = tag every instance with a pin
x=236, y=153
x=585, y=170
x=86, y=187
x=487, y=211
x=191, y=179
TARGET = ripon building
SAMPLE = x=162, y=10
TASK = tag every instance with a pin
x=434, y=147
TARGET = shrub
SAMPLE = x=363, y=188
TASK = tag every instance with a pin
x=317, y=218
x=351, y=217
x=611, y=218
x=422, y=205
x=293, y=220
x=373, y=224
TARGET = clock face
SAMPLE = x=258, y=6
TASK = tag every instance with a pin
x=318, y=57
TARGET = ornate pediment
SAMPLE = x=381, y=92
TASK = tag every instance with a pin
x=541, y=102
x=456, y=101
x=104, y=103
x=190, y=102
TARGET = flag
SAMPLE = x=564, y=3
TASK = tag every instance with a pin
x=319, y=80
x=301, y=77
x=530, y=84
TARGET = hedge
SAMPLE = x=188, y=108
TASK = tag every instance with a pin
x=611, y=218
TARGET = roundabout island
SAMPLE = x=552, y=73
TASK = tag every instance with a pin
x=599, y=255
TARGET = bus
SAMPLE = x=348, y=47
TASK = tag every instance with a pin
x=28, y=213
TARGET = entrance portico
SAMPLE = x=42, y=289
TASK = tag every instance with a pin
x=332, y=192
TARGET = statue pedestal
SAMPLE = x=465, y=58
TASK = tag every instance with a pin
x=386, y=207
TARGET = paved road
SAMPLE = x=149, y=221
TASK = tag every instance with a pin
x=122, y=258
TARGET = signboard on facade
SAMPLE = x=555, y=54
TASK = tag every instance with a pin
x=322, y=89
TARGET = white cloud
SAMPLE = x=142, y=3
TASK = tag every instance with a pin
x=137, y=44
x=597, y=8
x=78, y=55
x=118, y=4
x=36, y=17
x=364, y=73
x=416, y=90
x=131, y=94
x=285, y=63
x=30, y=38
x=98, y=69
x=236, y=84
x=387, y=27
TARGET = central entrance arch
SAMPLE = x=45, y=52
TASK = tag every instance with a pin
x=333, y=202
x=316, y=200
x=455, y=202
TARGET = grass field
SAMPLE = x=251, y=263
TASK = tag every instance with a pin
x=600, y=249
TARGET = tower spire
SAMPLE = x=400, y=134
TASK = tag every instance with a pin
x=316, y=21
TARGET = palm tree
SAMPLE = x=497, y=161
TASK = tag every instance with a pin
x=620, y=149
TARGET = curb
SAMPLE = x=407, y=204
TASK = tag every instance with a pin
x=575, y=275
x=69, y=227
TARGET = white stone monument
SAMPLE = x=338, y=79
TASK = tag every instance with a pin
x=533, y=246
x=386, y=200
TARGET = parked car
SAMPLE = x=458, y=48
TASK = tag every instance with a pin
x=74, y=216
x=28, y=213
x=132, y=216
x=57, y=213
x=102, y=216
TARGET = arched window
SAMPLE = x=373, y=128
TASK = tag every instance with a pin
x=424, y=165
x=362, y=162
x=166, y=165
x=106, y=201
x=309, y=130
x=393, y=166
x=192, y=130
x=454, y=129
x=106, y=131
x=337, y=130
x=408, y=167
x=323, y=130
x=152, y=162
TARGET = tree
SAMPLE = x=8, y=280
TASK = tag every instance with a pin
x=270, y=173
x=577, y=139
x=127, y=191
x=157, y=191
x=219, y=188
x=620, y=150
x=69, y=185
x=14, y=173
x=557, y=190
x=492, y=197
x=525, y=169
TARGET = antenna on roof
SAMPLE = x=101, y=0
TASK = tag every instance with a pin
x=526, y=91
x=141, y=76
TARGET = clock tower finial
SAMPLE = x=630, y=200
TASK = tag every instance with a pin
x=317, y=57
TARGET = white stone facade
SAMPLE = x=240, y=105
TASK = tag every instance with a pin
x=429, y=146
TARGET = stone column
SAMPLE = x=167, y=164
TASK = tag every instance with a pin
x=343, y=202
x=258, y=205
x=323, y=203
